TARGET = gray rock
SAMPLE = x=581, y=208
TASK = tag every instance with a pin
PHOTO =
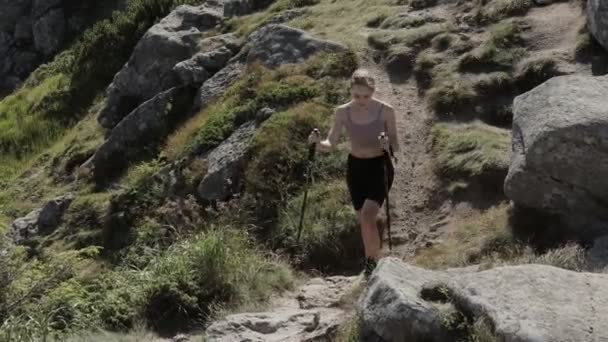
x=226, y=165
x=597, y=20
x=278, y=44
x=138, y=135
x=50, y=32
x=215, y=86
x=40, y=221
x=527, y=303
x=598, y=254
x=23, y=30
x=190, y=72
x=560, y=147
x=264, y=114
x=41, y=7
x=241, y=7
x=11, y=11
x=150, y=70
x=282, y=325
x=214, y=60
x=393, y=309
x=195, y=70
x=324, y=292
x=313, y=314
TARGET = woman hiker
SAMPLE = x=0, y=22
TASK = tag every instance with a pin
x=364, y=118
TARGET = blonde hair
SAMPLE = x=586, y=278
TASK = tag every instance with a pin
x=362, y=77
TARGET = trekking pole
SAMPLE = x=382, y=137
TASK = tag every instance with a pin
x=311, y=156
x=387, y=152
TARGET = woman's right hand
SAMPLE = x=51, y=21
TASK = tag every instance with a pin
x=314, y=137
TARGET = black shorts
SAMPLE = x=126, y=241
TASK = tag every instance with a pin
x=365, y=179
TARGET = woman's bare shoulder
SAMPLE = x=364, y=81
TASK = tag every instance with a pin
x=342, y=109
x=386, y=105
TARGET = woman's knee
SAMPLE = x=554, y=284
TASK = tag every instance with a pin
x=369, y=213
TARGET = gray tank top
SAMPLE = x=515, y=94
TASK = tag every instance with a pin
x=364, y=136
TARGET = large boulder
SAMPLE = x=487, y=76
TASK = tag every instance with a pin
x=276, y=44
x=560, y=148
x=226, y=164
x=597, y=14
x=40, y=221
x=140, y=133
x=527, y=303
x=150, y=70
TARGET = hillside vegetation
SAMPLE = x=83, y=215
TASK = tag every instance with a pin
x=137, y=256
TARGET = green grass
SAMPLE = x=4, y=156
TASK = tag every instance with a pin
x=472, y=237
x=330, y=235
x=23, y=129
x=71, y=293
x=341, y=21
x=451, y=95
x=497, y=10
x=218, y=268
x=319, y=77
x=58, y=94
x=279, y=153
x=470, y=150
x=536, y=71
x=401, y=22
x=487, y=238
x=499, y=52
x=415, y=37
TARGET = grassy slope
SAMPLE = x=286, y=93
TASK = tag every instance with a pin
x=103, y=288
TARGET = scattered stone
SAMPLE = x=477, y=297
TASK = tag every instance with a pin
x=313, y=315
x=40, y=221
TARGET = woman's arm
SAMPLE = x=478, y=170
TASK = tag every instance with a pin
x=335, y=131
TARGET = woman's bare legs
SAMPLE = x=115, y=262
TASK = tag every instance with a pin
x=369, y=228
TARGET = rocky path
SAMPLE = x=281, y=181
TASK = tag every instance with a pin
x=313, y=312
x=418, y=211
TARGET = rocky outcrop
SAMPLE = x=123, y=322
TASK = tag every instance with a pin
x=217, y=52
x=139, y=134
x=273, y=45
x=150, y=70
x=276, y=44
x=523, y=303
x=313, y=314
x=560, y=148
x=597, y=14
x=226, y=164
x=32, y=31
x=40, y=221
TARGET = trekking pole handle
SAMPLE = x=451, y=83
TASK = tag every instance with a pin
x=312, y=147
x=383, y=141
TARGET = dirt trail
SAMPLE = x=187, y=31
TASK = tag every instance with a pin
x=417, y=210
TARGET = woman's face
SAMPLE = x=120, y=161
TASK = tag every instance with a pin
x=362, y=95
